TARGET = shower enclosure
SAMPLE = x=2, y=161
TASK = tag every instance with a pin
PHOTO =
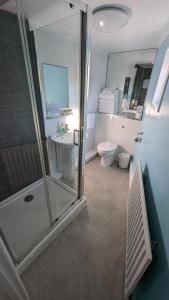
x=44, y=59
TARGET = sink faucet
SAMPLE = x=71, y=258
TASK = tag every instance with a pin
x=66, y=128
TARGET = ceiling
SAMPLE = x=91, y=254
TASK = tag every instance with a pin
x=148, y=24
x=43, y=12
x=68, y=28
x=135, y=57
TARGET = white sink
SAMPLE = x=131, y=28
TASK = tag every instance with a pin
x=66, y=138
x=65, y=154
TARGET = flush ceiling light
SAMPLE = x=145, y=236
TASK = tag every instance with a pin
x=109, y=18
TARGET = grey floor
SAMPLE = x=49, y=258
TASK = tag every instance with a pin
x=86, y=262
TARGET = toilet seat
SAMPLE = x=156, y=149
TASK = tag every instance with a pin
x=107, y=146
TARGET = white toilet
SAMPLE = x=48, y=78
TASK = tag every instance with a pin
x=107, y=151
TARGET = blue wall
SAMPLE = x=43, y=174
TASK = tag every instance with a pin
x=154, y=155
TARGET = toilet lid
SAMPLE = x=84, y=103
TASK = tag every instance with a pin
x=107, y=146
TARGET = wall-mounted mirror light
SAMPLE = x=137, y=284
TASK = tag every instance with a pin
x=161, y=84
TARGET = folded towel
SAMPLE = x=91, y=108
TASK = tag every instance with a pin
x=111, y=105
x=109, y=102
x=106, y=111
x=107, y=91
x=107, y=96
x=106, y=106
x=106, y=101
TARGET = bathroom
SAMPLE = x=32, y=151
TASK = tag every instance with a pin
x=73, y=89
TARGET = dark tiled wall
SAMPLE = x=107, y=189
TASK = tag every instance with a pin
x=16, y=119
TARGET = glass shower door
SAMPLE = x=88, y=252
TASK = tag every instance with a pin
x=58, y=57
x=42, y=88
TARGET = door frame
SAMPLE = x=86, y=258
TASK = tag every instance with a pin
x=84, y=92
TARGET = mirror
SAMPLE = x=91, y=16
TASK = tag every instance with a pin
x=128, y=77
x=56, y=89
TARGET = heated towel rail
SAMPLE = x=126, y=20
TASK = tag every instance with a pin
x=138, y=246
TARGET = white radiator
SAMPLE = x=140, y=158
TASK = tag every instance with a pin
x=138, y=246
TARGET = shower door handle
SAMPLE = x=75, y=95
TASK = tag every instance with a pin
x=76, y=137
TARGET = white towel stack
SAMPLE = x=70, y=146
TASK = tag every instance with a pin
x=108, y=101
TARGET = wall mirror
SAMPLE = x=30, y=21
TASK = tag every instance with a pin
x=56, y=86
x=129, y=74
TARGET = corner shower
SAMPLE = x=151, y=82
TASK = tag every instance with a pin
x=41, y=178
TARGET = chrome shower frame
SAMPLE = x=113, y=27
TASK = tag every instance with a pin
x=58, y=226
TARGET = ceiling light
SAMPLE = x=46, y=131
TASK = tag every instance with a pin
x=109, y=18
x=101, y=23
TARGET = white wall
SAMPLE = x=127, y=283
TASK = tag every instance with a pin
x=98, y=69
x=118, y=129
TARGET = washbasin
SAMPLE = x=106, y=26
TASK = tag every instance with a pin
x=66, y=153
x=66, y=138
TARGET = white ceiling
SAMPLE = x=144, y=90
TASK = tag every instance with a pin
x=43, y=12
x=69, y=28
x=148, y=24
x=135, y=57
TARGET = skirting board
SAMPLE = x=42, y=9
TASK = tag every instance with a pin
x=42, y=245
x=90, y=155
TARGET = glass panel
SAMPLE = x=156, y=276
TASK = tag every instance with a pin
x=24, y=214
x=58, y=57
x=56, y=89
x=33, y=181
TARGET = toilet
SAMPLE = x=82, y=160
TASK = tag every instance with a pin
x=107, y=151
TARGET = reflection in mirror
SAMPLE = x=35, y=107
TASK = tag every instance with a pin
x=128, y=77
x=56, y=89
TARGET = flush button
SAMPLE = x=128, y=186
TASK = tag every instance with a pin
x=28, y=198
